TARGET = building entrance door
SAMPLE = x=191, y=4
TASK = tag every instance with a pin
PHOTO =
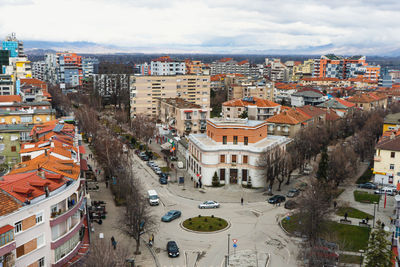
x=233, y=176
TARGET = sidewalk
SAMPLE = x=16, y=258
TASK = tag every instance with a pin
x=110, y=226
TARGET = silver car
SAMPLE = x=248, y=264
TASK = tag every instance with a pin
x=209, y=204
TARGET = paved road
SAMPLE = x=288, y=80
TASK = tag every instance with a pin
x=254, y=225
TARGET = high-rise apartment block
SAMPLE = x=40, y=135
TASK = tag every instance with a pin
x=15, y=47
x=229, y=65
x=90, y=66
x=145, y=90
x=39, y=70
x=167, y=66
x=333, y=66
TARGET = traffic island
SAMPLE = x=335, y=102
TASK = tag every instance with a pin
x=205, y=224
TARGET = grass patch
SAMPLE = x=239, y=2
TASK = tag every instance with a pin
x=365, y=197
x=366, y=176
x=353, y=213
x=352, y=259
x=349, y=237
x=205, y=224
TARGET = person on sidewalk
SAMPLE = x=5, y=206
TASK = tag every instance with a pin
x=113, y=242
x=241, y=200
x=345, y=216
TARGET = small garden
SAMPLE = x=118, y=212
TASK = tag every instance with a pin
x=205, y=224
x=348, y=237
x=365, y=197
x=353, y=213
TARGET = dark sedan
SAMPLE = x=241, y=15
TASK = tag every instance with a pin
x=172, y=249
x=171, y=215
x=163, y=180
x=276, y=199
x=368, y=186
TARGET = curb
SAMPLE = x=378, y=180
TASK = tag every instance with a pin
x=152, y=252
x=197, y=232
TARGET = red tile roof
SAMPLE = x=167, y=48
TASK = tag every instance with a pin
x=243, y=62
x=10, y=98
x=225, y=59
x=331, y=115
x=310, y=79
x=367, y=98
x=311, y=110
x=259, y=102
x=345, y=103
x=291, y=116
x=6, y=228
x=8, y=204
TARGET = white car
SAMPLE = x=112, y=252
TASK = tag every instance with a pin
x=388, y=190
x=209, y=204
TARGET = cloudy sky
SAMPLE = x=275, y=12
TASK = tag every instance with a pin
x=210, y=26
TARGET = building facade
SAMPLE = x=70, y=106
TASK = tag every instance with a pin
x=256, y=108
x=231, y=150
x=146, y=90
x=167, y=66
x=229, y=65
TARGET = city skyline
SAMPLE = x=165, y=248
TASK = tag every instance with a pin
x=293, y=27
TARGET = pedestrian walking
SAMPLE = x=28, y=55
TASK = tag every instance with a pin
x=367, y=219
x=106, y=183
x=345, y=216
x=241, y=200
x=152, y=238
x=334, y=204
x=113, y=242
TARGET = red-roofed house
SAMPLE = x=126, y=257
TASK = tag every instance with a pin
x=369, y=101
x=288, y=122
x=256, y=108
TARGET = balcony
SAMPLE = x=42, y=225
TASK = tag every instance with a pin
x=377, y=158
x=59, y=218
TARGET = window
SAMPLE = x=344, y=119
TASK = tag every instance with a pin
x=246, y=140
x=13, y=148
x=224, y=139
x=40, y=241
x=235, y=140
x=6, y=237
x=233, y=158
x=18, y=227
x=392, y=166
x=245, y=159
x=392, y=154
x=222, y=158
x=39, y=218
x=244, y=175
x=41, y=262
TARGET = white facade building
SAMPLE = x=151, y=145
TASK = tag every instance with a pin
x=167, y=66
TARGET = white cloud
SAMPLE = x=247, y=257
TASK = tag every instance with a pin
x=209, y=25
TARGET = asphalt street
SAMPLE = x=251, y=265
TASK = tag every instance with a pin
x=254, y=225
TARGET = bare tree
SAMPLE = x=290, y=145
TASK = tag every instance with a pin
x=138, y=217
x=342, y=164
x=101, y=253
x=143, y=127
x=270, y=162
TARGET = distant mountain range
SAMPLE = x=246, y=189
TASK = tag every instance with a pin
x=38, y=48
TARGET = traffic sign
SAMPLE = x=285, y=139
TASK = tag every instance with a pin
x=234, y=245
x=234, y=241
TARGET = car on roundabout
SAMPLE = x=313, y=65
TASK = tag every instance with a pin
x=209, y=204
x=171, y=215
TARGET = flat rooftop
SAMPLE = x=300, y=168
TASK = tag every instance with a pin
x=235, y=122
x=180, y=103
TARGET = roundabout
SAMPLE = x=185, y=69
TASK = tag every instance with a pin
x=205, y=224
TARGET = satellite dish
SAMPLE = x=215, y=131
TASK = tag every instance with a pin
x=386, y=228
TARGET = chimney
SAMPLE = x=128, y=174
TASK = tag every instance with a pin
x=40, y=173
x=45, y=152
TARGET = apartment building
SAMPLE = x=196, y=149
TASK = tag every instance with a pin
x=303, y=70
x=333, y=66
x=90, y=66
x=288, y=122
x=107, y=85
x=43, y=218
x=39, y=70
x=369, y=101
x=145, y=90
x=183, y=116
x=6, y=85
x=167, y=66
x=391, y=122
x=229, y=65
x=4, y=60
x=12, y=44
x=231, y=149
x=10, y=137
x=276, y=70
x=242, y=87
x=304, y=97
x=253, y=108
x=194, y=66
x=386, y=159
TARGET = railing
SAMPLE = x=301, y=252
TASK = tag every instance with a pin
x=66, y=214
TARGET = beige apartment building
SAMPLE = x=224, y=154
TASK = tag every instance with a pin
x=183, y=116
x=146, y=90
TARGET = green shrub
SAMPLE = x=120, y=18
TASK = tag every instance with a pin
x=205, y=220
x=199, y=216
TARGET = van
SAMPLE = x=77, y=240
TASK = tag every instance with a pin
x=388, y=190
x=153, y=197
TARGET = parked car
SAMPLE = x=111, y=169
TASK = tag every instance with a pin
x=145, y=158
x=172, y=249
x=209, y=204
x=368, y=186
x=276, y=199
x=171, y=215
x=173, y=158
x=290, y=204
x=388, y=190
x=151, y=163
x=163, y=180
x=158, y=171
x=293, y=193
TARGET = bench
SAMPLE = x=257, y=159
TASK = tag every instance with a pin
x=364, y=224
x=345, y=221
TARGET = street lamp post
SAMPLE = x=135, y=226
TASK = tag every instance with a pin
x=361, y=259
x=229, y=237
x=373, y=225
